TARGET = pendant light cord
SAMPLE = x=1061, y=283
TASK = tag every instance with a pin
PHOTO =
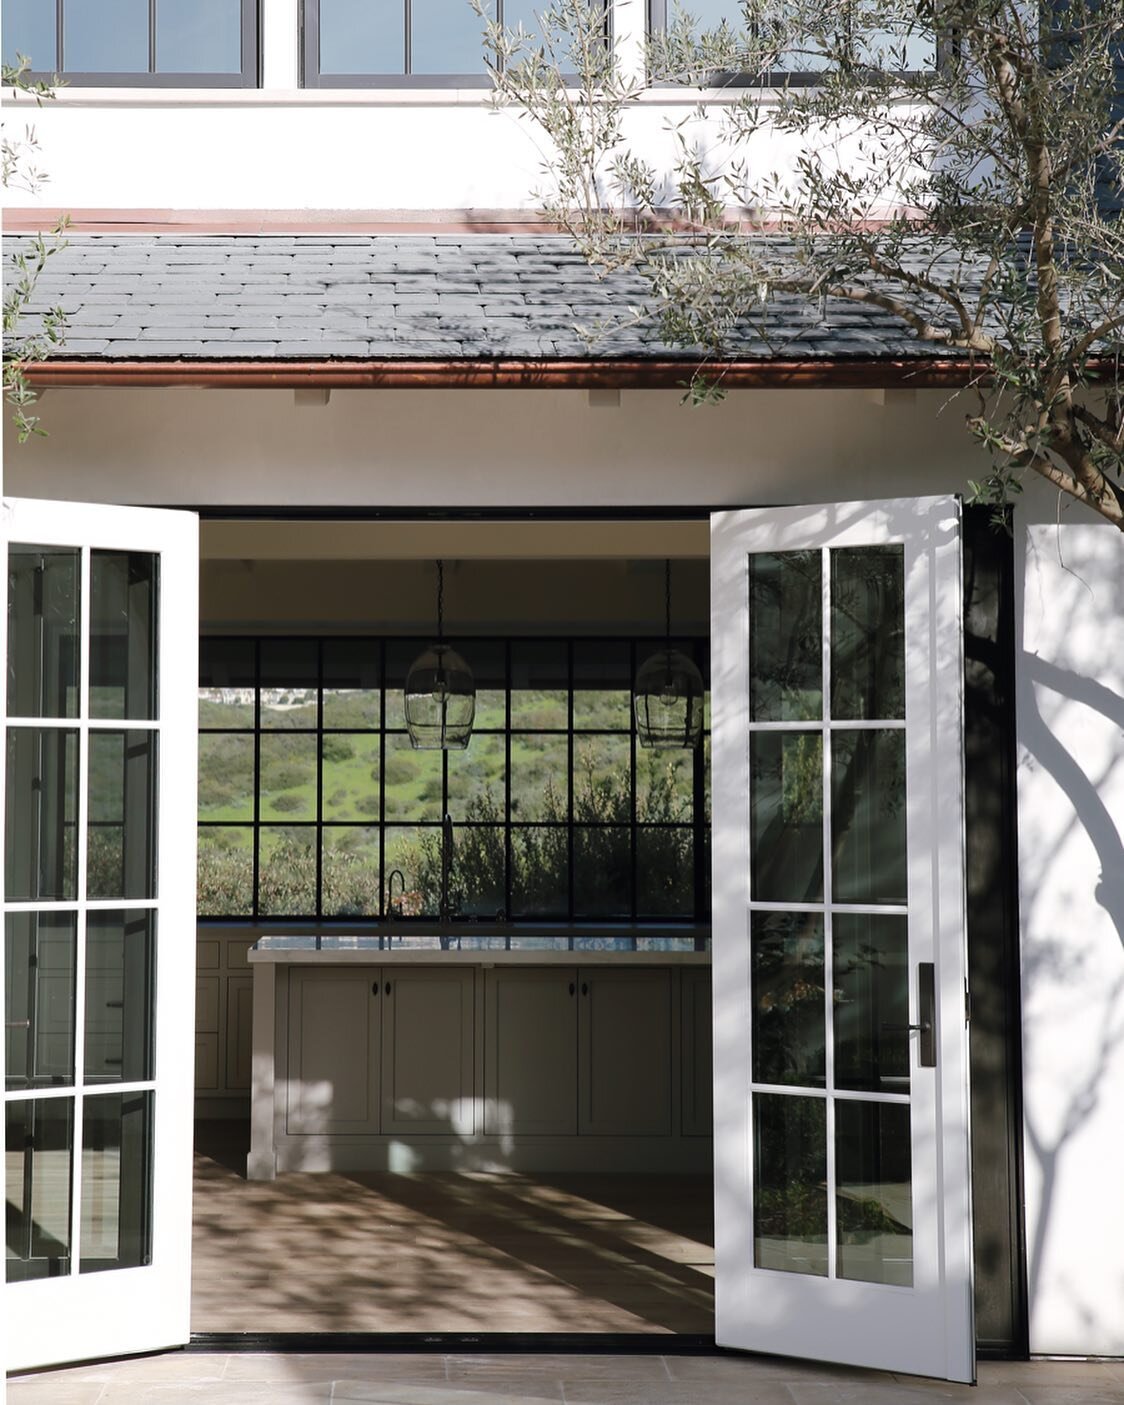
x=440, y=602
x=667, y=599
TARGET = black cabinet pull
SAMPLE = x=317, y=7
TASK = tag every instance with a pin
x=388, y=987
x=374, y=988
x=572, y=987
x=585, y=988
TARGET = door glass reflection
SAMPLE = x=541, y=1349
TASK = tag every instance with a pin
x=121, y=858
x=123, y=588
x=120, y=960
x=116, y=1190
x=868, y=816
x=38, y=1154
x=871, y=1006
x=42, y=631
x=786, y=816
x=788, y=998
x=868, y=633
x=873, y=1197
x=39, y=956
x=41, y=856
x=785, y=637
x=790, y=1175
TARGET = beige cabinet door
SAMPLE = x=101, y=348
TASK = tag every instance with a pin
x=427, y=1038
x=239, y=1034
x=530, y=1052
x=334, y=1025
x=696, y=1069
x=624, y=1050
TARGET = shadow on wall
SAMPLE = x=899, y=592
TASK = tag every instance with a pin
x=1071, y=817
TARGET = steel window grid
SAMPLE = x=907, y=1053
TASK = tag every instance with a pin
x=779, y=77
x=318, y=826
x=311, y=77
x=249, y=76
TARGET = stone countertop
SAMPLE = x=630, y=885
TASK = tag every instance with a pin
x=553, y=948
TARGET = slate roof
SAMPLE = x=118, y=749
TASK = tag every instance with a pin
x=376, y=297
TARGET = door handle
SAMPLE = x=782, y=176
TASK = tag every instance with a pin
x=926, y=1025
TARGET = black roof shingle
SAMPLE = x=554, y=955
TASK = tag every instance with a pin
x=326, y=297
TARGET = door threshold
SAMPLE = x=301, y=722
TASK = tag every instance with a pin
x=451, y=1343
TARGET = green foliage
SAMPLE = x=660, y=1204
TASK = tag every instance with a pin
x=225, y=877
x=335, y=748
x=288, y=803
x=21, y=346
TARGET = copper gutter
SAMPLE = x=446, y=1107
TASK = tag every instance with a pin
x=464, y=374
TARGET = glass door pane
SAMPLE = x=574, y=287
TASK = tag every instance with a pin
x=846, y=969
x=98, y=925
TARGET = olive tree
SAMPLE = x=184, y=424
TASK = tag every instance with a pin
x=18, y=170
x=954, y=164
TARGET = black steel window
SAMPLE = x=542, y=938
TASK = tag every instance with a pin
x=313, y=805
x=402, y=43
x=136, y=43
x=706, y=16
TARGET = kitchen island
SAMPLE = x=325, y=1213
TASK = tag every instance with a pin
x=545, y=1049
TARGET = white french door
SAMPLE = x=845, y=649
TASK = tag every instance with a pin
x=99, y=927
x=842, y=1191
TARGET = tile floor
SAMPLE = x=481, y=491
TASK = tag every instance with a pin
x=447, y=1252
x=176, y=1378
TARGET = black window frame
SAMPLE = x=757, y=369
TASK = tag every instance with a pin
x=637, y=646
x=311, y=77
x=776, y=78
x=248, y=77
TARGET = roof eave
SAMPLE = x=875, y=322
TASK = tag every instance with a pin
x=641, y=373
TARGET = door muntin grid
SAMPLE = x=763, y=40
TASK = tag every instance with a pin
x=80, y=919
x=828, y=924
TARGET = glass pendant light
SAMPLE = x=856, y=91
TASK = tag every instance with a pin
x=440, y=691
x=667, y=697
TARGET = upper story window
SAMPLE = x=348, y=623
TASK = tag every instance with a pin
x=136, y=43
x=401, y=43
x=912, y=44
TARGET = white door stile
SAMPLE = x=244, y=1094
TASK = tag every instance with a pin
x=116, y=1311
x=926, y=1328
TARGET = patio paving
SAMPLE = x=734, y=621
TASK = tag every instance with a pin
x=252, y=1378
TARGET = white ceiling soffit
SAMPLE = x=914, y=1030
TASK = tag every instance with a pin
x=454, y=540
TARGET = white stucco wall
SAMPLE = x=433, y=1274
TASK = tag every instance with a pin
x=315, y=150
x=1071, y=893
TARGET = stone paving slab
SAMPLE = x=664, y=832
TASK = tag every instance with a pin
x=328, y=1378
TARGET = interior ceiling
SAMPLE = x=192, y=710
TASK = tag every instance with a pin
x=351, y=540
